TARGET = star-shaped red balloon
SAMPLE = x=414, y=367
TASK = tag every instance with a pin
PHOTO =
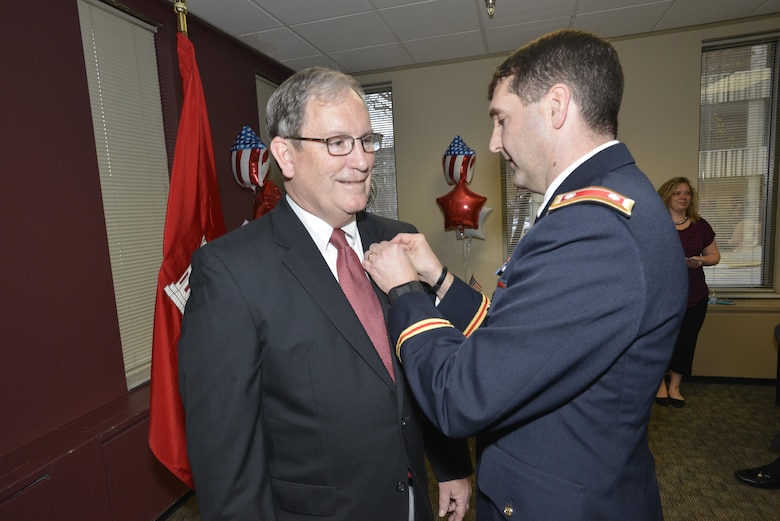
x=266, y=198
x=461, y=207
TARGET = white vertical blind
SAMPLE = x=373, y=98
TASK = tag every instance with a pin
x=384, y=188
x=737, y=176
x=520, y=208
x=124, y=92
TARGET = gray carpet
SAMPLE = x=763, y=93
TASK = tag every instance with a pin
x=723, y=427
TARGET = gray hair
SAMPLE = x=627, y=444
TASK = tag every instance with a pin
x=286, y=108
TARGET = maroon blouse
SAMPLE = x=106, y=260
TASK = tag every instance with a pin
x=694, y=239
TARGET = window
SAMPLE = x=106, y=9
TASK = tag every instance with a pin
x=384, y=189
x=520, y=208
x=124, y=92
x=737, y=165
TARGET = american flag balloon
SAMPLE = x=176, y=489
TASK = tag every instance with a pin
x=458, y=162
x=249, y=159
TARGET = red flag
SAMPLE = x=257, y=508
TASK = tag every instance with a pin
x=194, y=216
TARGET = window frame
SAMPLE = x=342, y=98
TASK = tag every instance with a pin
x=384, y=185
x=738, y=184
x=125, y=97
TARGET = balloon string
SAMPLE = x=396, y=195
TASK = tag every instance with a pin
x=466, y=246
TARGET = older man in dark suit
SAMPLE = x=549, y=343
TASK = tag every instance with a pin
x=291, y=412
x=557, y=380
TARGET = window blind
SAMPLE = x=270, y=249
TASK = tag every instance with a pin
x=737, y=174
x=384, y=188
x=520, y=208
x=124, y=92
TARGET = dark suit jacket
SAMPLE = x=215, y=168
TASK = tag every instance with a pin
x=289, y=411
x=559, y=380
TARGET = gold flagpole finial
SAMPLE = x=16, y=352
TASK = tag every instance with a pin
x=180, y=7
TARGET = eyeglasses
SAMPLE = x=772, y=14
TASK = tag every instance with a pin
x=343, y=145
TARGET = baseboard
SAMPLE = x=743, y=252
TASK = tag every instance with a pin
x=731, y=380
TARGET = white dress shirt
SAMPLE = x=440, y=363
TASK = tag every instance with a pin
x=320, y=232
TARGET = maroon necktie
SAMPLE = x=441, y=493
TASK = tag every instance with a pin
x=361, y=296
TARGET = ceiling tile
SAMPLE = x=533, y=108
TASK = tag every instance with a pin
x=232, y=16
x=513, y=12
x=291, y=12
x=619, y=22
x=768, y=7
x=427, y=19
x=447, y=47
x=279, y=44
x=366, y=59
x=590, y=6
x=347, y=32
x=313, y=61
x=687, y=12
x=381, y=4
x=509, y=37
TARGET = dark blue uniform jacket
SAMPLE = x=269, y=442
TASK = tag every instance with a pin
x=557, y=379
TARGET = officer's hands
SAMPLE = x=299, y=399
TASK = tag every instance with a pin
x=419, y=251
x=389, y=265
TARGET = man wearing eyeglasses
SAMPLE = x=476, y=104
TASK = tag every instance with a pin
x=291, y=412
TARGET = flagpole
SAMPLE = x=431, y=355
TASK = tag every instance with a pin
x=193, y=217
x=180, y=8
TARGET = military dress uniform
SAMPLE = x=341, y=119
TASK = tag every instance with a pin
x=556, y=377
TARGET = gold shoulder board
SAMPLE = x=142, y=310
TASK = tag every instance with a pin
x=595, y=194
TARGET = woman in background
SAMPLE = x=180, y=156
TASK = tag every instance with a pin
x=698, y=242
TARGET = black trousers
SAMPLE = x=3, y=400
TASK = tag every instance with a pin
x=682, y=359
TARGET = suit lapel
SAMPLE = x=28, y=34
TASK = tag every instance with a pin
x=306, y=264
x=372, y=230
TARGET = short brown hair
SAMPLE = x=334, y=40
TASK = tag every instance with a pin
x=586, y=63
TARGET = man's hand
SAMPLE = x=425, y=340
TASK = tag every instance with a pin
x=405, y=258
x=389, y=265
x=419, y=251
x=454, y=498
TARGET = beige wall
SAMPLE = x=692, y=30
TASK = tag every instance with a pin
x=432, y=105
x=659, y=122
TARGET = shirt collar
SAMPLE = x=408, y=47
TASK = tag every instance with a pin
x=321, y=231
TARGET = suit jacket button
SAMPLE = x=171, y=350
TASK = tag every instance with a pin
x=508, y=510
x=400, y=487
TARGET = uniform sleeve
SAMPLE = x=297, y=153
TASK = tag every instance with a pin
x=571, y=302
x=465, y=307
x=219, y=379
x=449, y=458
